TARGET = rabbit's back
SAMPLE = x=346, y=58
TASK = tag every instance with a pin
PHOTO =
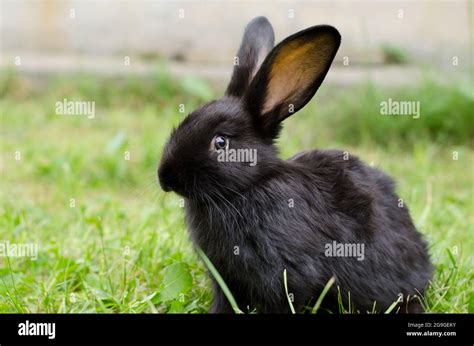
x=396, y=259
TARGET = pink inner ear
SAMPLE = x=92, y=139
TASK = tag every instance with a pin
x=295, y=68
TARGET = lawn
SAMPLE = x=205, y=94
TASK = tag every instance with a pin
x=109, y=240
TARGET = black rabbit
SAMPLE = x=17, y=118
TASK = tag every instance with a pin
x=254, y=219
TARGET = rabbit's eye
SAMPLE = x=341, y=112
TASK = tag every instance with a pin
x=220, y=142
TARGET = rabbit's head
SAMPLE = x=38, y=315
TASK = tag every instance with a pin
x=227, y=145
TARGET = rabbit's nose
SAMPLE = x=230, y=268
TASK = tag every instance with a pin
x=167, y=177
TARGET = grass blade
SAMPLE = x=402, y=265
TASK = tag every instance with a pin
x=322, y=295
x=287, y=295
x=220, y=281
x=394, y=304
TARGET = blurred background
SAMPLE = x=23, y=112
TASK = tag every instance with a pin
x=84, y=189
x=201, y=37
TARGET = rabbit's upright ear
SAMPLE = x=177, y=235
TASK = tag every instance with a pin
x=257, y=42
x=290, y=76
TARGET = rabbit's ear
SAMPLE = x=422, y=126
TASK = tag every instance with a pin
x=290, y=76
x=258, y=41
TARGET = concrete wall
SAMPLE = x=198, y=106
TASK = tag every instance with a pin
x=429, y=31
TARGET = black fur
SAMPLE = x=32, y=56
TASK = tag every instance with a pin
x=280, y=214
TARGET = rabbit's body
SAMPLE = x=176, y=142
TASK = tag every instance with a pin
x=254, y=220
x=251, y=238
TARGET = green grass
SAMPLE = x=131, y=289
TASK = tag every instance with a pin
x=393, y=55
x=111, y=241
